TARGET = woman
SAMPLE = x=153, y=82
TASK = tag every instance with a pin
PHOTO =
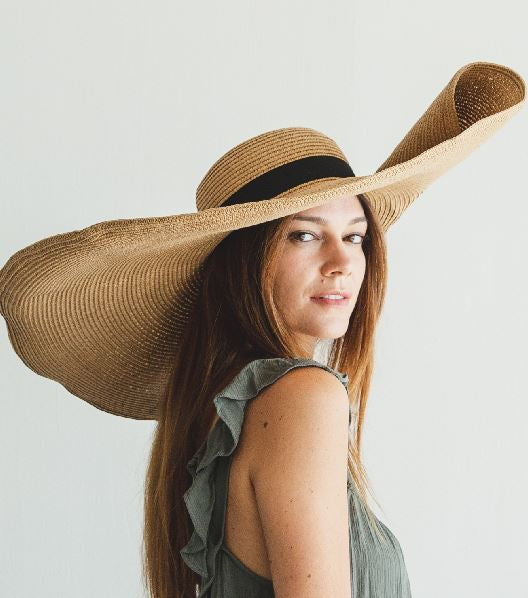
x=259, y=307
x=210, y=323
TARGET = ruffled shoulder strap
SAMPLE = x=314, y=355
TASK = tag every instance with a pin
x=209, y=470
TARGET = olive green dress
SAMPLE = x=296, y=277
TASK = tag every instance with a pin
x=377, y=570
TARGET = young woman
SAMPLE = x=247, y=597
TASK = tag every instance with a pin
x=213, y=322
x=291, y=523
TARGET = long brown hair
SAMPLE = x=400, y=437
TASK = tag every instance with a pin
x=234, y=321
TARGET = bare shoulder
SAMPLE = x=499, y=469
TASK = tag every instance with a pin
x=298, y=431
x=300, y=400
x=307, y=391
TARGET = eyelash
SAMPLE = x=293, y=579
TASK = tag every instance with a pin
x=305, y=232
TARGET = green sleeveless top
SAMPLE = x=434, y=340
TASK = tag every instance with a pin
x=376, y=570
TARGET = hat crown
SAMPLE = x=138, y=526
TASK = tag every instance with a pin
x=269, y=165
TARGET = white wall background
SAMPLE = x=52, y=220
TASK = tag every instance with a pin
x=117, y=109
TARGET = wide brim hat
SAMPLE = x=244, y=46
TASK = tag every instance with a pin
x=101, y=310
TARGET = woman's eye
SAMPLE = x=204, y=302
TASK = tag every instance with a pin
x=296, y=236
x=361, y=237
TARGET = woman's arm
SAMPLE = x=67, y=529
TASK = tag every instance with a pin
x=298, y=466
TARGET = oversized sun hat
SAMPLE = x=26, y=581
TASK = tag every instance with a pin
x=101, y=310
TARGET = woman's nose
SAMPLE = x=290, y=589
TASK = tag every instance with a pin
x=340, y=259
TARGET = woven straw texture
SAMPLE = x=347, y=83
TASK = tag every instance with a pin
x=101, y=310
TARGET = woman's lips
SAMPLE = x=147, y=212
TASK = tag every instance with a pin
x=326, y=301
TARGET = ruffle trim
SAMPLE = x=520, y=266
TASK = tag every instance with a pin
x=200, y=552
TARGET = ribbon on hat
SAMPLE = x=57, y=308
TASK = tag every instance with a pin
x=289, y=175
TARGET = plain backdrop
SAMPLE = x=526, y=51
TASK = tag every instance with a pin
x=117, y=109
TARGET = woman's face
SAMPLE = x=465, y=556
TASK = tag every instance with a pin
x=323, y=254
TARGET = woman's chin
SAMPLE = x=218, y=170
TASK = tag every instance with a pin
x=326, y=332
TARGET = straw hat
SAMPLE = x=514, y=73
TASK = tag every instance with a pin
x=101, y=310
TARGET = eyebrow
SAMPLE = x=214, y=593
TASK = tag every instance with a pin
x=319, y=220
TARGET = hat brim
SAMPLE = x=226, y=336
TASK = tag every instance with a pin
x=100, y=310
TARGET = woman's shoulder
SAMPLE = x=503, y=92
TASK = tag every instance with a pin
x=271, y=379
x=258, y=374
x=278, y=376
x=298, y=394
x=292, y=381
